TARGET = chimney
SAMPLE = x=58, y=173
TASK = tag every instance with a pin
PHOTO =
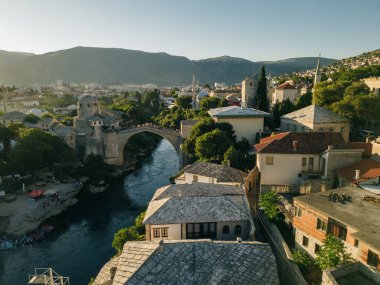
x=357, y=174
x=296, y=145
x=330, y=147
x=239, y=240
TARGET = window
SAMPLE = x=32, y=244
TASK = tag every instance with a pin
x=304, y=161
x=269, y=160
x=88, y=105
x=226, y=229
x=164, y=232
x=237, y=230
x=341, y=130
x=356, y=243
x=311, y=163
x=317, y=248
x=298, y=212
x=250, y=84
x=372, y=259
x=337, y=230
x=195, y=178
x=156, y=233
x=321, y=225
x=201, y=230
x=305, y=241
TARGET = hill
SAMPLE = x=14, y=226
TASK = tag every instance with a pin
x=112, y=65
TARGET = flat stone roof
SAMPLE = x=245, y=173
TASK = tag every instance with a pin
x=314, y=114
x=361, y=215
x=196, y=203
x=235, y=111
x=222, y=173
x=192, y=262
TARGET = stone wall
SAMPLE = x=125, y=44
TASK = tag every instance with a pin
x=288, y=271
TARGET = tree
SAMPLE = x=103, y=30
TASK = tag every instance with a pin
x=269, y=202
x=332, y=253
x=262, y=99
x=304, y=100
x=234, y=158
x=184, y=102
x=243, y=145
x=31, y=118
x=327, y=93
x=132, y=233
x=208, y=103
x=211, y=145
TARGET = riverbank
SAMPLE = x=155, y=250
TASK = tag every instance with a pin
x=25, y=214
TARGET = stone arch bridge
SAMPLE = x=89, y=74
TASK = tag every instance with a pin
x=114, y=142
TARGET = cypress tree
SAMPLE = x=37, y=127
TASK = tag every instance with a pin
x=262, y=100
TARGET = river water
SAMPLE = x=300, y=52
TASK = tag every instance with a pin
x=81, y=243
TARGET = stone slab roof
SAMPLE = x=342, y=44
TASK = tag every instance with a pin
x=196, y=203
x=222, y=173
x=315, y=114
x=285, y=85
x=308, y=143
x=195, y=262
x=235, y=111
x=351, y=213
x=14, y=115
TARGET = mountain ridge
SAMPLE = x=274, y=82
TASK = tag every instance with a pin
x=118, y=65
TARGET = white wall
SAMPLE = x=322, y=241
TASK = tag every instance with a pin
x=244, y=127
x=285, y=168
x=174, y=232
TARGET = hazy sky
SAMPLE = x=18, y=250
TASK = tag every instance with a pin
x=251, y=29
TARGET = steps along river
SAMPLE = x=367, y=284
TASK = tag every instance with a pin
x=81, y=242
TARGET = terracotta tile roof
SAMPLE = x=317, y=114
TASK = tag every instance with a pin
x=362, y=145
x=285, y=85
x=308, y=142
x=265, y=141
x=369, y=168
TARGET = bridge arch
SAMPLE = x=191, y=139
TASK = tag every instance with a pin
x=123, y=136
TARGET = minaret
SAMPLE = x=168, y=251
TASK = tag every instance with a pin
x=317, y=77
x=193, y=92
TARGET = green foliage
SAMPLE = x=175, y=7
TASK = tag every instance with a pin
x=171, y=118
x=302, y=259
x=132, y=233
x=94, y=167
x=50, y=101
x=243, y=145
x=234, y=158
x=91, y=281
x=35, y=150
x=211, y=145
x=31, y=118
x=208, y=103
x=332, y=253
x=326, y=93
x=262, y=99
x=357, y=74
x=183, y=102
x=304, y=101
x=269, y=202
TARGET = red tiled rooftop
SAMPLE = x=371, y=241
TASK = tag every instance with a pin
x=362, y=145
x=286, y=85
x=369, y=168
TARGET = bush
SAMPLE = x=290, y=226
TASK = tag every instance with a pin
x=269, y=201
x=302, y=259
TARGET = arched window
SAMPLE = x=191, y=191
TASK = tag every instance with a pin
x=226, y=229
x=237, y=230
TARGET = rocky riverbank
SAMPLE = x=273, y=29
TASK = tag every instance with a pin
x=25, y=214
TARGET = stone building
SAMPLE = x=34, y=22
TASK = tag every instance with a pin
x=246, y=122
x=283, y=92
x=206, y=172
x=315, y=118
x=191, y=262
x=373, y=84
x=249, y=90
x=196, y=211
